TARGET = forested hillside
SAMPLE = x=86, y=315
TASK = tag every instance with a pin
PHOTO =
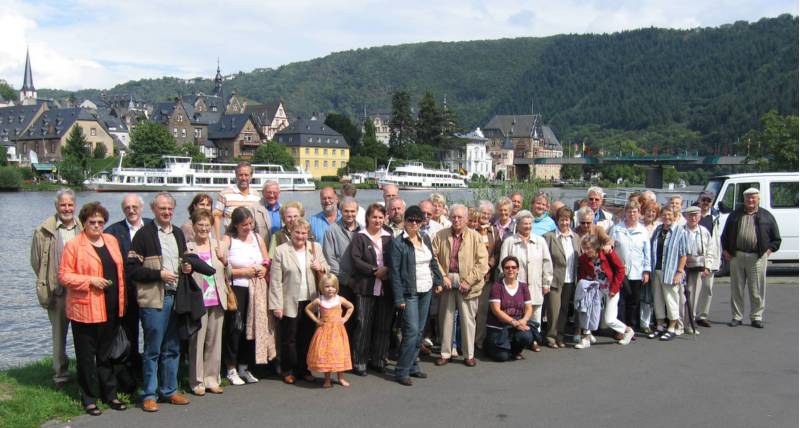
x=662, y=90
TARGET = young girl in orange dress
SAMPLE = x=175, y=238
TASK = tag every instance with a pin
x=329, y=351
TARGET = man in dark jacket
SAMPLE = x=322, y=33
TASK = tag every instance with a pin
x=153, y=263
x=749, y=237
x=124, y=231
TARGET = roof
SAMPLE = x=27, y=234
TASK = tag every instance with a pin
x=27, y=84
x=228, y=127
x=514, y=125
x=14, y=120
x=474, y=135
x=263, y=114
x=111, y=122
x=311, y=132
x=162, y=111
x=550, y=140
x=55, y=123
x=206, y=118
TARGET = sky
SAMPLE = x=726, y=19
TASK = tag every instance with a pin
x=77, y=44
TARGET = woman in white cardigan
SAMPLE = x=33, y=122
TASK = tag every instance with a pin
x=535, y=266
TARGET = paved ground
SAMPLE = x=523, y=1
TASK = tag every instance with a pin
x=727, y=377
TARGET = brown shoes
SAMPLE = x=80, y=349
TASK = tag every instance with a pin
x=535, y=347
x=704, y=322
x=470, y=362
x=289, y=379
x=149, y=406
x=442, y=361
x=176, y=399
x=214, y=390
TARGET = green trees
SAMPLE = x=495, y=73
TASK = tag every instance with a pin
x=401, y=125
x=430, y=123
x=193, y=151
x=7, y=92
x=361, y=164
x=774, y=147
x=99, y=151
x=10, y=178
x=370, y=146
x=274, y=153
x=75, y=157
x=343, y=125
x=150, y=141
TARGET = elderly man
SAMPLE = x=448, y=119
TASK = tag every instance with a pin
x=124, y=231
x=464, y=261
x=429, y=226
x=336, y=245
x=48, y=243
x=266, y=214
x=750, y=236
x=395, y=211
x=348, y=190
x=390, y=191
x=153, y=266
x=602, y=218
x=554, y=207
x=709, y=218
x=233, y=197
x=650, y=195
x=330, y=214
x=516, y=203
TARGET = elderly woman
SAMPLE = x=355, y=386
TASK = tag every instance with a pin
x=584, y=221
x=651, y=214
x=491, y=238
x=289, y=212
x=668, y=261
x=413, y=274
x=92, y=272
x=200, y=201
x=535, y=266
x=372, y=290
x=503, y=221
x=508, y=329
x=632, y=244
x=205, y=346
x=247, y=337
x=542, y=222
x=564, y=246
x=296, y=268
x=440, y=209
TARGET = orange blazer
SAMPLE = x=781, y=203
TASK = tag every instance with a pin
x=79, y=263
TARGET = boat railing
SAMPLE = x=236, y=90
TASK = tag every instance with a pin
x=123, y=170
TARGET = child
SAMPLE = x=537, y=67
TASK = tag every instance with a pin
x=600, y=272
x=330, y=349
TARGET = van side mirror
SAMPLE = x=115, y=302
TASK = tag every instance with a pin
x=723, y=208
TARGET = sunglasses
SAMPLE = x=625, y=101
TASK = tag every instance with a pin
x=510, y=267
x=96, y=222
x=414, y=220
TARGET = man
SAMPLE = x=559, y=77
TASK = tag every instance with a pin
x=554, y=207
x=709, y=218
x=395, y=211
x=429, y=226
x=348, y=190
x=330, y=214
x=602, y=218
x=750, y=236
x=266, y=213
x=390, y=191
x=336, y=245
x=233, y=197
x=464, y=261
x=124, y=231
x=700, y=247
x=48, y=243
x=650, y=195
x=153, y=264
x=676, y=203
x=516, y=203
x=542, y=222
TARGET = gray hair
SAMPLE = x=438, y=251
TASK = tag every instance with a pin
x=139, y=200
x=162, y=195
x=522, y=215
x=391, y=201
x=271, y=183
x=349, y=190
x=673, y=197
x=455, y=207
x=597, y=190
x=583, y=212
x=348, y=200
x=649, y=194
x=484, y=204
x=503, y=201
x=64, y=192
x=438, y=197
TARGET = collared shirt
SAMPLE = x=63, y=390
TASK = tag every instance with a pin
x=232, y=198
x=169, y=253
x=453, y=265
x=274, y=217
x=694, y=241
x=569, y=251
x=66, y=233
x=378, y=246
x=319, y=224
x=746, y=239
x=431, y=229
x=133, y=229
x=397, y=229
x=505, y=230
x=633, y=248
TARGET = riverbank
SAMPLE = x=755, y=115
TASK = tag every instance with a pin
x=29, y=399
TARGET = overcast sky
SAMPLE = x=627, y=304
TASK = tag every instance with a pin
x=78, y=44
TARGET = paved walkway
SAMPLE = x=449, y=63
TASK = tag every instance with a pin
x=727, y=377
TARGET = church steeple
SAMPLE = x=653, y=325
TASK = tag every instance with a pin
x=218, y=82
x=27, y=91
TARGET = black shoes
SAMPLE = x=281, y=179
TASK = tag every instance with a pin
x=757, y=324
x=735, y=323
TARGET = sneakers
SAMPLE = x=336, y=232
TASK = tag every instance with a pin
x=585, y=343
x=592, y=339
x=245, y=375
x=234, y=378
x=626, y=338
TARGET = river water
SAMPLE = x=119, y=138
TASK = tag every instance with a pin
x=24, y=327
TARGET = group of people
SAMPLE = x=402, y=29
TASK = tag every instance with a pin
x=248, y=281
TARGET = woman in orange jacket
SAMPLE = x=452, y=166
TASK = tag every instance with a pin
x=92, y=272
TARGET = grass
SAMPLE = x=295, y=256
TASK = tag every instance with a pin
x=28, y=397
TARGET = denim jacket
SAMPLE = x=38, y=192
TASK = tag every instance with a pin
x=403, y=267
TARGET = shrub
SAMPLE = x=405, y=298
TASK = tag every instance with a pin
x=10, y=178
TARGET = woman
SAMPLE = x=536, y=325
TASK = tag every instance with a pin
x=508, y=331
x=201, y=201
x=248, y=339
x=535, y=266
x=205, y=347
x=542, y=223
x=584, y=221
x=414, y=272
x=296, y=268
x=372, y=291
x=440, y=209
x=289, y=212
x=651, y=213
x=503, y=222
x=491, y=238
x=632, y=244
x=564, y=246
x=91, y=270
x=668, y=259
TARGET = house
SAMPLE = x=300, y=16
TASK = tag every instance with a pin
x=235, y=136
x=49, y=131
x=175, y=116
x=468, y=155
x=14, y=121
x=381, y=123
x=5, y=103
x=315, y=147
x=116, y=128
x=515, y=137
x=271, y=117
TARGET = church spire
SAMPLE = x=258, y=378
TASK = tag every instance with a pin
x=27, y=91
x=218, y=81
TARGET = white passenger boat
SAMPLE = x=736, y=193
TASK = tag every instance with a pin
x=181, y=175
x=415, y=176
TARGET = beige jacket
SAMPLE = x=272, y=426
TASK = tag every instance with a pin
x=43, y=259
x=285, y=277
x=534, y=262
x=216, y=263
x=262, y=221
x=473, y=259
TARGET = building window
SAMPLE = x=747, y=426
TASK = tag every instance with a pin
x=183, y=132
x=308, y=164
x=310, y=139
x=180, y=117
x=325, y=164
x=175, y=132
x=316, y=151
x=280, y=139
x=248, y=137
x=333, y=164
x=316, y=164
x=325, y=152
x=93, y=132
x=307, y=151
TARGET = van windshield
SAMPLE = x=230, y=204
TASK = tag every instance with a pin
x=714, y=186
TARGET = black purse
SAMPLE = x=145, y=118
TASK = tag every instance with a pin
x=121, y=346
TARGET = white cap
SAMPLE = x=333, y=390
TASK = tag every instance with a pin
x=751, y=191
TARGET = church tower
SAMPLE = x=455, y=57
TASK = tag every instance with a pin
x=218, y=82
x=27, y=91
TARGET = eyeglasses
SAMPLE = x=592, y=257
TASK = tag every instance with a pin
x=413, y=220
x=595, y=199
x=586, y=222
x=96, y=222
x=510, y=267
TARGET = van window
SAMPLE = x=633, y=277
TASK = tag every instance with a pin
x=733, y=194
x=784, y=195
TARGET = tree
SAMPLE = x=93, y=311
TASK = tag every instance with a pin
x=361, y=164
x=100, y=151
x=10, y=178
x=429, y=125
x=401, y=125
x=3, y=155
x=193, y=151
x=7, y=92
x=571, y=172
x=75, y=157
x=371, y=147
x=775, y=147
x=150, y=141
x=343, y=125
x=274, y=153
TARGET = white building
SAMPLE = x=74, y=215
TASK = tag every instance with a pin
x=470, y=156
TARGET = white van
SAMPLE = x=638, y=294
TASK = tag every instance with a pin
x=780, y=194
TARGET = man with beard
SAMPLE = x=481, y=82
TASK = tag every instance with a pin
x=395, y=210
x=233, y=197
x=330, y=214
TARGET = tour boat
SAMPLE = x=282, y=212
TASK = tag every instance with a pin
x=181, y=175
x=415, y=176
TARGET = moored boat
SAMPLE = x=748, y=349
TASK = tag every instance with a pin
x=415, y=176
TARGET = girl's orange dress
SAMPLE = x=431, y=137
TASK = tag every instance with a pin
x=330, y=348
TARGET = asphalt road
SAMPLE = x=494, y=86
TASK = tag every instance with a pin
x=726, y=377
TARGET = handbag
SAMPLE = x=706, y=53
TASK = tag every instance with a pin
x=120, y=347
x=697, y=263
x=232, y=304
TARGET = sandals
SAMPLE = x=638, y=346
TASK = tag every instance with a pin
x=519, y=357
x=117, y=405
x=93, y=410
x=655, y=334
x=666, y=337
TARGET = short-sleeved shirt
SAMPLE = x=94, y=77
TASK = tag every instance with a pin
x=512, y=302
x=232, y=198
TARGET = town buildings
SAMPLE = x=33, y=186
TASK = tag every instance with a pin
x=514, y=137
x=469, y=155
x=316, y=147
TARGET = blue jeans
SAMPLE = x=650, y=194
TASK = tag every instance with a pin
x=162, y=350
x=516, y=342
x=414, y=316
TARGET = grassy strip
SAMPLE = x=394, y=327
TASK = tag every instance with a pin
x=28, y=397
